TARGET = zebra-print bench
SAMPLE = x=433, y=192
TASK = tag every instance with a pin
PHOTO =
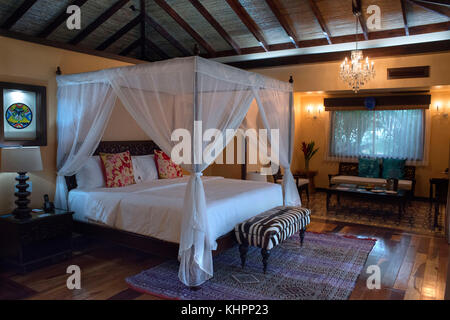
x=270, y=228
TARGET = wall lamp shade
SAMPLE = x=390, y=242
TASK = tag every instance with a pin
x=21, y=159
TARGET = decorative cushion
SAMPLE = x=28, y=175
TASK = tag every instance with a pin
x=393, y=168
x=91, y=175
x=118, y=169
x=369, y=168
x=272, y=227
x=167, y=169
x=144, y=168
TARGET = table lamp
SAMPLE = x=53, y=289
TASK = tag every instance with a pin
x=21, y=160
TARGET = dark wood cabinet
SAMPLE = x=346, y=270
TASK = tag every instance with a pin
x=42, y=239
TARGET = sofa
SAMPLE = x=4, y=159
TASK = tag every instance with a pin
x=348, y=173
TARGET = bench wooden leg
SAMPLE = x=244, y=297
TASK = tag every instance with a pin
x=265, y=256
x=302, y=236
x=243, y=249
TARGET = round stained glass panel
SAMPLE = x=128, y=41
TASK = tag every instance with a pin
x=19, y=115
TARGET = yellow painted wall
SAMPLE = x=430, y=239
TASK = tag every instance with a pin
x=24, y=62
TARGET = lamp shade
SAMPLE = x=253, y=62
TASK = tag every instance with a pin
x=22, y=159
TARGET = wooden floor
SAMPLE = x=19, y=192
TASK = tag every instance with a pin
x=412, y=266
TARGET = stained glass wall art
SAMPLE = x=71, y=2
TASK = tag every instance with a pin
x=19, y=110
x=23, y=118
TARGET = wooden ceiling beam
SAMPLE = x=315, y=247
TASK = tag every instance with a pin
x=433, y=7
x=98, y=22
x=166, y=35
x=418, y=48
x=364, y=27
x=216, y=25
x=66, y=46
x=283, y=21
x=153, y=47
x=249, y=22
x=439, y=2
x=175, y=16
x=405, y=18
x=384, y=34
x=20, y=11
x=321, y=21
x=58, y=20
x=116, y=36
x=357, y=12
x=130, y=48
x=414, y=30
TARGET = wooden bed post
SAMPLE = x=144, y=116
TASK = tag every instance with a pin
x=196, y=50
x=197, y=112
x=142, y=29
x=291, y=104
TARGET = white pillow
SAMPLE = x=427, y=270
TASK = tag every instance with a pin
x=91, y=175
x=144, y=168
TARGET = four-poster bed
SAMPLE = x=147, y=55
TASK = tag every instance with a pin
x=162, y=97
x=120, y=235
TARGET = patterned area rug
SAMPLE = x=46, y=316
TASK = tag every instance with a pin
x=325, y=268
x=418, y=218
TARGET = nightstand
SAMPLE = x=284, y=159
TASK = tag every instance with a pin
x=29, y=243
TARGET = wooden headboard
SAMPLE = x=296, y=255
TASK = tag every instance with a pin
x=136, y=148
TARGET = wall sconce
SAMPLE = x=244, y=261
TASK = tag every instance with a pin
x=320, y=110
x=440, y=110
x=314, y=112
x=309, y=110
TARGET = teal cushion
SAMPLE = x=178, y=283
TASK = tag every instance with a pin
x=368, y=168
x=393, y=168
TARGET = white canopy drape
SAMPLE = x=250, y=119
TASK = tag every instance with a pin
x=162, y=97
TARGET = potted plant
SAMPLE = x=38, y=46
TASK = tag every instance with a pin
x=308, y=152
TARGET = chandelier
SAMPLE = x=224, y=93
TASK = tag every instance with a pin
x=358, y=71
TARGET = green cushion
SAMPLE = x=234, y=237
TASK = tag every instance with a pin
x=368, y=168
x=393, y=168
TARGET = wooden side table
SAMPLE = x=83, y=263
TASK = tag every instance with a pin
x=29, y=243
x=307, y=175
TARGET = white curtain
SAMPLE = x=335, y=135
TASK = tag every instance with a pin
x=382, y=133
x=83, y=113
x=277, y=112
x=162, y=97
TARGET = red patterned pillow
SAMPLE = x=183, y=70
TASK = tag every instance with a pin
x=118, y=169
x=167, y=169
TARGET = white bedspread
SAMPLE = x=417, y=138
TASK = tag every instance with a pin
x=154, y=208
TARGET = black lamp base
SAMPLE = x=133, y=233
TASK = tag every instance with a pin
x=22, y=211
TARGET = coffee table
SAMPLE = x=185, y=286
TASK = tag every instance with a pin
x=400, y=198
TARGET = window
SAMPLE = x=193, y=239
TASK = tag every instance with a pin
x=382, y=134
